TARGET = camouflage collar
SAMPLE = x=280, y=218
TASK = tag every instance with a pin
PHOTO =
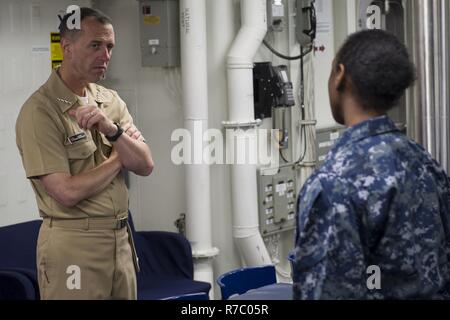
x=366, y=129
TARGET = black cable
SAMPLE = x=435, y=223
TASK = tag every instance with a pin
x=284, y=136
x=282, y=156
x=304, y=145
x=285, y=57
x=302, y=106
x=302, y=84
x=302, y=90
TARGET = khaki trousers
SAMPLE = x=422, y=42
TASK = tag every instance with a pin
x=85, y=264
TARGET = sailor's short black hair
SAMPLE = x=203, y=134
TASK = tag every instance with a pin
x=379, y=67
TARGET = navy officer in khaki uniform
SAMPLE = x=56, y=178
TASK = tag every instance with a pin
x=75, y=137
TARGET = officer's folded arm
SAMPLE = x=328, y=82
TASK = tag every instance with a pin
x=135, y=155
x=69, y=190
x=133, y=152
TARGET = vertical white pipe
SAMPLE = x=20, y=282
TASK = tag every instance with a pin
x=221, y=33
x=195, y=105
x=241, y=111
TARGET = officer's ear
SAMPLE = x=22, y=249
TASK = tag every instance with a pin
x=66, y=46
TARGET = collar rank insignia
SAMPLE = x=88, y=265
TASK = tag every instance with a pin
x=63, y=100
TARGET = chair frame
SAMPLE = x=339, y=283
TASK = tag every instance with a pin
x=241, y=280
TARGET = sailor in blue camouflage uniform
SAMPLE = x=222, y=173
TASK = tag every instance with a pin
x=379, y=199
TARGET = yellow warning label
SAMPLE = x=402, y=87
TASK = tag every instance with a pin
x=56, y=53
x=152, y=19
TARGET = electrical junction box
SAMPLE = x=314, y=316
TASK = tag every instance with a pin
x=275, y=15
x=326, y=139
x=277, y=198
x=159, y=28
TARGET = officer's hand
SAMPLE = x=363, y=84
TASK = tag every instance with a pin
x=133, y=132
x=91, y=116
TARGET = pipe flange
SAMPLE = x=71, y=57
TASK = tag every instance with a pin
x=205, y=254
x=238, y=125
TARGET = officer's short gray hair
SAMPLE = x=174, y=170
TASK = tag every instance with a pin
x=84, y=13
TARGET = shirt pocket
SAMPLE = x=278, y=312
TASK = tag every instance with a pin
x=81, y=150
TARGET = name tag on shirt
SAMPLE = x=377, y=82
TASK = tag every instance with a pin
x=77, y=137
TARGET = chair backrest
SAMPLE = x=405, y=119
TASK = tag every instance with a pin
x=241, y=280
x=190, y=297
x=19, y=245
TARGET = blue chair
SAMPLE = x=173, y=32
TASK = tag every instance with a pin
x=241, y=280
x=18, y=279
x=167, y=267
x=165, y=258
x=190, y=297
x=16, y=285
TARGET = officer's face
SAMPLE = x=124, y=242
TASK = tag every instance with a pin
x=91, y=50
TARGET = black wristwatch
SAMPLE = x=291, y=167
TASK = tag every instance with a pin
x=117, y=135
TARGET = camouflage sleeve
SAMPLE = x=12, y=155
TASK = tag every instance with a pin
x=314, y=236
x=448, y=193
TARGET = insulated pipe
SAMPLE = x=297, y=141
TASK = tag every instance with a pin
x=437, y=73
x=413, y=106
x=430, y=96
x=424, y=60
x=241, y=115
x=195, y=106
x=445, y=83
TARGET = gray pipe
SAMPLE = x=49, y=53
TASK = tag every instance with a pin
x=424, y=60
x=437, y=73
x=445, y=83
x=429, y=43
x=413, y=107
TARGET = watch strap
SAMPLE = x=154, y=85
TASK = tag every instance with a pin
x=117, y=135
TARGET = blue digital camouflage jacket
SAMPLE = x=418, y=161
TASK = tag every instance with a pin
x=378, y=200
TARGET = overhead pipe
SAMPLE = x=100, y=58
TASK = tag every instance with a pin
x=241, y=117
x=195, y=107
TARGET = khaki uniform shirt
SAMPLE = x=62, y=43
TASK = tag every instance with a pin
x=50, y=141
